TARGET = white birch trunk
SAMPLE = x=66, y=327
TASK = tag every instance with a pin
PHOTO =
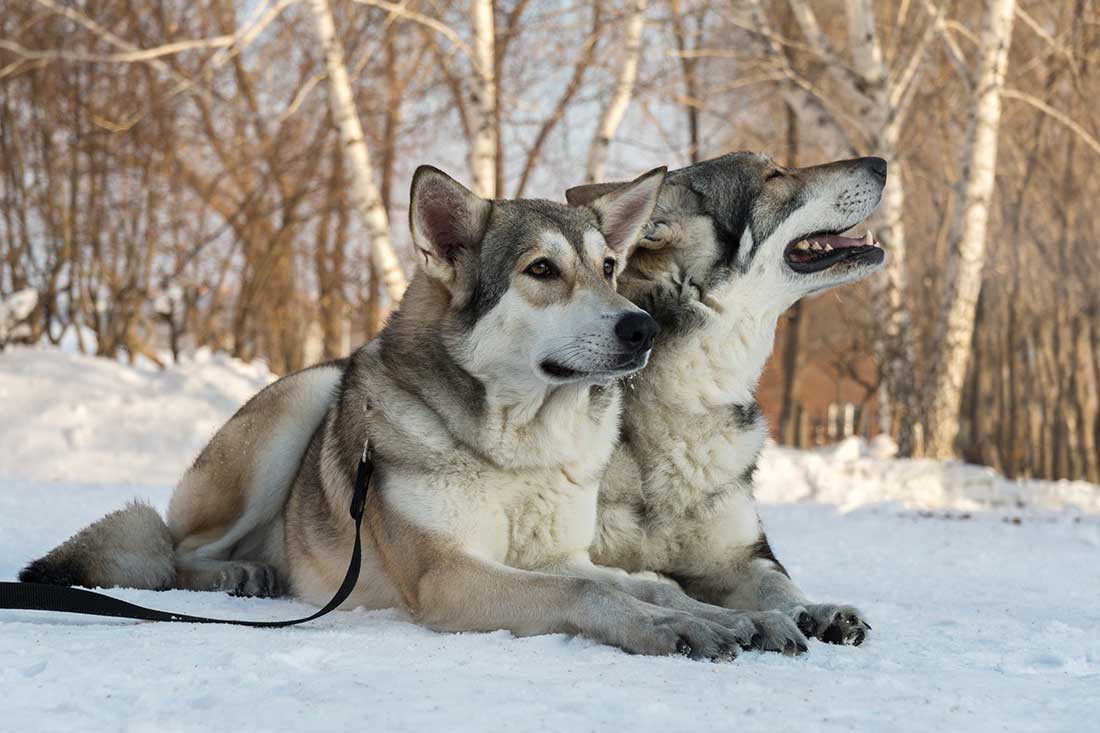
x=897, y=394
x=893, y=345
x=620, y=99
x=483, y=97
x=967, y=256
x=863, y=41
x=364, y=193
x=899, y=409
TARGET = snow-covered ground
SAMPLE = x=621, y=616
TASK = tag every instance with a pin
x=984, y=595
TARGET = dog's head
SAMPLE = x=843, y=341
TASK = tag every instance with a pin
x=741, y=227
x=531, y=285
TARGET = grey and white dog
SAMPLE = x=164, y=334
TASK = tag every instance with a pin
x=492, y=403
x=733, y=242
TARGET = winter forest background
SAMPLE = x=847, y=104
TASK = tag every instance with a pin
x=234, y=175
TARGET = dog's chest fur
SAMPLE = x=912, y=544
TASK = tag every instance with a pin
x=681, y=481
x=521, y=487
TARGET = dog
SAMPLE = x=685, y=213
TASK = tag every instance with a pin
x=733, y=242
x=491, y=402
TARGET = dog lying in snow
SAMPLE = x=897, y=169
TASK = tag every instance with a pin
x=733, y=242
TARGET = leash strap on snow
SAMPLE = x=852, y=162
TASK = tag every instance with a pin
x=42, y=597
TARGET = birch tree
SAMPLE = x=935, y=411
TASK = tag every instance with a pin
x=967, y=255
x=364, y=192
x=483, y=100
x=613, y=113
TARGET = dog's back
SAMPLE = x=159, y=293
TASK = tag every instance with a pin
x=225, y=507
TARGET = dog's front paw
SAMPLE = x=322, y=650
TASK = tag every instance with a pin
x=676, y=301
x=685, y=289
x=774, y=632
x=670, y=632
x=831, y=623
x=766, y=631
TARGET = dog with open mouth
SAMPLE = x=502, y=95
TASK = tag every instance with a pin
x=733, y=242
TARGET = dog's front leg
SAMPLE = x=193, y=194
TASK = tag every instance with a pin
x=764, y=630
x=729, y=563
x=448, y=588
x=765, y=584
x=465, y=593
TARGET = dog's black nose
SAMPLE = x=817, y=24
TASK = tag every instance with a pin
x=636, y=331
x=877, y=166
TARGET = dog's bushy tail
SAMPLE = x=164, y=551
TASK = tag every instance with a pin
x=131, y=547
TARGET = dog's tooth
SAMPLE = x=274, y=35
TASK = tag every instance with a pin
x=869, y=239
x=815, y=246
x=828, y=247
x=803, y=245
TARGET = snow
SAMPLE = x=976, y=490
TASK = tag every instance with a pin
x=982, y=592
x=853, y=474
x=70, y=417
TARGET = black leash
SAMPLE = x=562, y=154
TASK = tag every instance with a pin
x=43, y=597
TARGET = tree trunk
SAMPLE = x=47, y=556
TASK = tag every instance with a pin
x=792, y=373
x=330, y=258
x=364, y=193
x=789, y=413
x=616, y=108
x=483, y=102
x=964, y=270
x=1092, y=321
x=897, y=396
x=688, y=64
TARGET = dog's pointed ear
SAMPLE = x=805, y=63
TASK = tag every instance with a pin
x=624, y=211
x=587, y=193
x=447, y=221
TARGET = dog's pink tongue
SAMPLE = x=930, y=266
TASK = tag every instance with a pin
x=838, y=242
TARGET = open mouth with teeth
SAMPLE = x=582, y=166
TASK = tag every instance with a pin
x=819, y=252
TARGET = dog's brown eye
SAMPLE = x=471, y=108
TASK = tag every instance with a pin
x=774, y=174
x=543, y=269
x=609, y=267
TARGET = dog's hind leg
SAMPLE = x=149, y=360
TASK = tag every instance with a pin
x=236, y=577
x=225, y=513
